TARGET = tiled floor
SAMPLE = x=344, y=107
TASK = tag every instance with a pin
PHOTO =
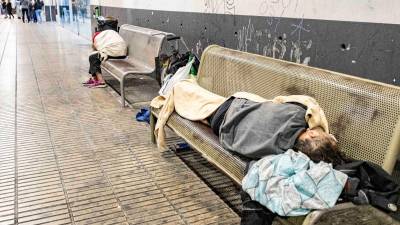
x=71, y=155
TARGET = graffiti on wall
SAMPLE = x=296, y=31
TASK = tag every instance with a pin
x=220, y=6
x=284, y=34
x=226, y=7
x=282, y=29
x=268, y=41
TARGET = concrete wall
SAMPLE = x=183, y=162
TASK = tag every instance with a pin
x=359, y=37
x=373, y=11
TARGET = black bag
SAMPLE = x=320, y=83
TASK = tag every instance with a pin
x=107, y=23
x=253, y=213
x=178, y=61
x=374, y=184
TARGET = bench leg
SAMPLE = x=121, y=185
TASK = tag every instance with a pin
x=122, y=92
x=153, y=121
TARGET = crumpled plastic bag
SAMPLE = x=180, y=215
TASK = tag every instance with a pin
x=170, y=80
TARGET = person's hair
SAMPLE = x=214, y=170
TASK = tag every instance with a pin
x=323, y=148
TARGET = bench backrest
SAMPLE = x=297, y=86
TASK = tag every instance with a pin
x=362, y=114
x=144, y=44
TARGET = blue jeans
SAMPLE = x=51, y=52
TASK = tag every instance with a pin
x=38, y=15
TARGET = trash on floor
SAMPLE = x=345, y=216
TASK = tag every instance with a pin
x=143, y=115
x=181, y=146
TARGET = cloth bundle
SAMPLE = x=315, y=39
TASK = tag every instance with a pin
x=110, y=43
x=291, y=184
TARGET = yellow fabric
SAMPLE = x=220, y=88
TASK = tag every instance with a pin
x=315, y=116
x=189, y=100
x=195, y=103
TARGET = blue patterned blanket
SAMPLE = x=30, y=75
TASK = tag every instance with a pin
x=290, y=184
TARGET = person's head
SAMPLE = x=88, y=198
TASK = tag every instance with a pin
x=319, y=146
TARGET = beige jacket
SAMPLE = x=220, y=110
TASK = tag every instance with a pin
x=195, y=103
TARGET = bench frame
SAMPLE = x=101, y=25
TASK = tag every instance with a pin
x=147, y=69
x=236, y=61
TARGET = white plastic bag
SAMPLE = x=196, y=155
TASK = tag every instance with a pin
x=171, y=80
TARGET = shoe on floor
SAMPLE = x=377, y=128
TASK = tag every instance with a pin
x=97, y=84
x=88, y=82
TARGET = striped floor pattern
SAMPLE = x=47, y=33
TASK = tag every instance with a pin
x=71, y=155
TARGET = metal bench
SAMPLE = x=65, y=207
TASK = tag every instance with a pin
x=144, y=46
x=363, y=114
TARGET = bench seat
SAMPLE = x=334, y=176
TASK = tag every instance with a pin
x=122, y=67
x=201, y=137
x=363, y=114
x=144, y=47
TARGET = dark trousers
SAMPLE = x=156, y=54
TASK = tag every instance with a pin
x=10, y=13
x=33, y=15
x=95, y=62
x=30, y=14
x=253, y=213
x=25, y=12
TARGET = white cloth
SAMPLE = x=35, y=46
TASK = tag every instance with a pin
x=183, y=73
x=110, y=43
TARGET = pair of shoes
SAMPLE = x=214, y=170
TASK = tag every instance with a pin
x=88, y=82
x=97, y=84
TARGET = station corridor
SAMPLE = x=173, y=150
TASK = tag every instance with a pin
x=72, y=155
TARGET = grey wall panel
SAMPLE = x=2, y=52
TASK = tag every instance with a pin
x=366, y=50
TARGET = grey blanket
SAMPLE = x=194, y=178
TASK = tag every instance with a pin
x=259, y=129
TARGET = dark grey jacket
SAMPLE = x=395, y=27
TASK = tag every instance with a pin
x=24, y=4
